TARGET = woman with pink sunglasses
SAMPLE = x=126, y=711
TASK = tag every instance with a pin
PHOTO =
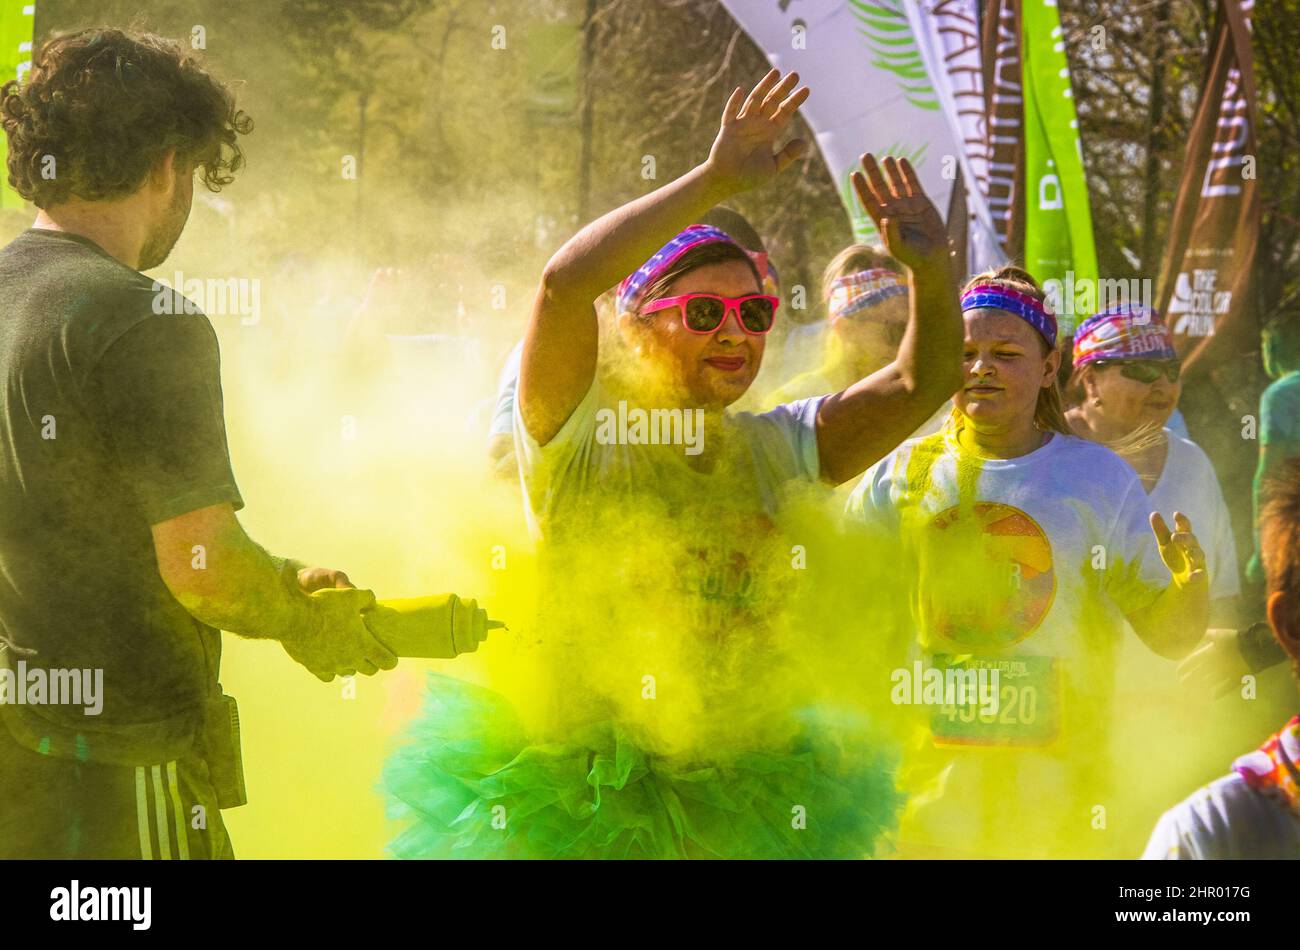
x=693, y=314
x=676, y=723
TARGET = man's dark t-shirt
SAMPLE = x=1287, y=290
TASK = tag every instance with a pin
x=110, y=421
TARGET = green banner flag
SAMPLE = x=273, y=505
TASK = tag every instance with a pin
x=17, y=21
x=1059, y=250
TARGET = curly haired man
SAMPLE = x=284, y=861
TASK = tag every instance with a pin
x=120, y=554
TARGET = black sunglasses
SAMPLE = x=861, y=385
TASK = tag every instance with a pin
x=1146, y=371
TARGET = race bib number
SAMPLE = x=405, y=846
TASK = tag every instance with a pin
x=1018, y=707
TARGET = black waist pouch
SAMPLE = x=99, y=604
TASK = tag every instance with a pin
x=219, y=746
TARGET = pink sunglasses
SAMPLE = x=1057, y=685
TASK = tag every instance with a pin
x=705, y=313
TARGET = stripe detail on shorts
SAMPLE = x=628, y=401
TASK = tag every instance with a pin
x=155, y=829
x=142, y=814
x=160, y=809
x=182, y=843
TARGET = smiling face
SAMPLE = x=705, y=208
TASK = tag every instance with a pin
x=1118, y=405
x=701, y=370
x=1006, y=366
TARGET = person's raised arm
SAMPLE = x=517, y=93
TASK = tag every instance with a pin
x=560, y=345
x=862, y=424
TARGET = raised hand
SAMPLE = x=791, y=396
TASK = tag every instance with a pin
x=907, y=220
x=1180, y=550
x=743, y=155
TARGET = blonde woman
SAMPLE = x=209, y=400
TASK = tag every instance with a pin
x=1030, y=548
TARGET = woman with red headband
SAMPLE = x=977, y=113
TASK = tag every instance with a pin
x=1030, y=547
x=679, y=720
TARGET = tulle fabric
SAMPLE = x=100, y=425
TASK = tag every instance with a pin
x=468, y=783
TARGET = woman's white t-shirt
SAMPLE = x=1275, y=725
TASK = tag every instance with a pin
x=1026, y=566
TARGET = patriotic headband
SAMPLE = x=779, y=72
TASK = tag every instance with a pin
x=1028, y=308
x=853, y=293
x=696, y=235
x=1123, y=332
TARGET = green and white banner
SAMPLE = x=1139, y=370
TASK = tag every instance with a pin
x=1059, y=249
x=947, y=33
x=17, y=21
x=871, y=90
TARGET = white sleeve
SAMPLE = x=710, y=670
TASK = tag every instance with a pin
x=1168, y=843
x=789, y=436
x=547, y=470
x=871, y=504
x=503, y=410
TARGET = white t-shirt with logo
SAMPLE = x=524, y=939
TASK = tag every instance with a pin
x=1027, y=566
x=768, y=453
x=678, y=568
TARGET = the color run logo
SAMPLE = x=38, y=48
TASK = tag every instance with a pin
x=233, y=297
x=931, y=686
x=54, y=687
x=638, y=426
x=1087, y=295
x=1197, y=302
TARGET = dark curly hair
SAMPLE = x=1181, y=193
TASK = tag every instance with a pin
x=107, y=104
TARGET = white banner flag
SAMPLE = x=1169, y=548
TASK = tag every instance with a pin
x=947, y=33
x=870, y=88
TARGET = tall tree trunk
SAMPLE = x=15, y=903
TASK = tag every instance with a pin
x=1150, y=246
x=585, y=121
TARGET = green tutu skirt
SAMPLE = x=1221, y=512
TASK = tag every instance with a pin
x=468, y=783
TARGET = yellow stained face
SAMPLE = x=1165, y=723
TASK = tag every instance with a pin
x=705, y=370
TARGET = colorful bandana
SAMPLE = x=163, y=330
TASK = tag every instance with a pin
x=1274, y=768
x=694, y=236
x=1123, y=332
x=767, y=270
x=1032, y=311
x=854, y=293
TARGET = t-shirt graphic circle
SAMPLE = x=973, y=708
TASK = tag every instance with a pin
x=1001, y=579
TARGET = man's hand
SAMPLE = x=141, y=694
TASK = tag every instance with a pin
x=312, y=579
x=338, y=644
x=743, y=155
x=1180, y=550
x=907, y=220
